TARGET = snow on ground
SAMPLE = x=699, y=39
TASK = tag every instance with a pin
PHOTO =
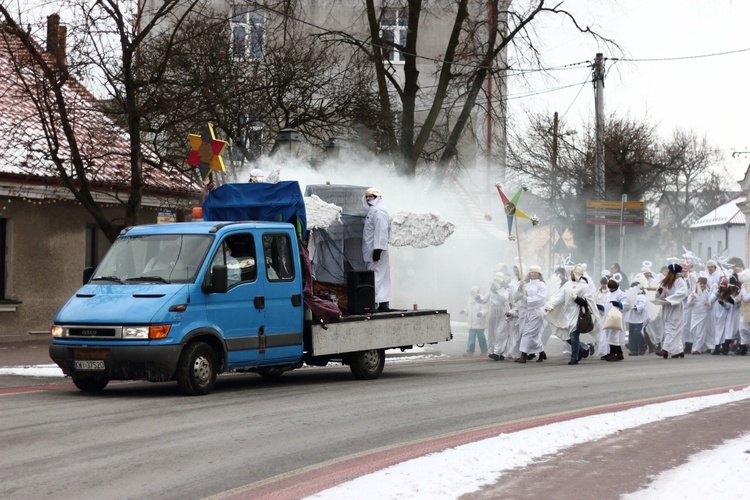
x=718, y=473
x=32, y=371
x=467, y=468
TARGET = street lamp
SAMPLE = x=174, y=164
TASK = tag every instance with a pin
x=287, y=143
x=336, y=147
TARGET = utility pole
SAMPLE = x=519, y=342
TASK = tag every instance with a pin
x=599, y=229
x=491, y=16
x=552, y=189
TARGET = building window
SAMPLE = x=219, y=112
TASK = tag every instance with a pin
x=248, y=30
x=393, y=26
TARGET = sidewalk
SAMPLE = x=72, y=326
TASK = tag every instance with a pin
x=27, y=352
x=624, y=462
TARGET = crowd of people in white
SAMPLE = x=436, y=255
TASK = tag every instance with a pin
x=686, y=308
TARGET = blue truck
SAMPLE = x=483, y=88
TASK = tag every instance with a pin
x=188, y=301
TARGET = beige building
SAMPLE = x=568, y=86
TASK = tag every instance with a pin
x=46, y=237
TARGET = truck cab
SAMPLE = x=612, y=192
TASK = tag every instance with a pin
x=232, y=288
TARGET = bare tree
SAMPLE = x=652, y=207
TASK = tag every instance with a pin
x=107, y=39
x=299, y=81
x=683, y=171
x=472, y=51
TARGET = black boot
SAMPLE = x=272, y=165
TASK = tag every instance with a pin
x=522, y=359
x=688, y=348
x=716, y=351
x=542, y=357
x=615, y=353
x=725, y=347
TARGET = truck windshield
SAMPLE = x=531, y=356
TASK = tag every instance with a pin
x=163, y=258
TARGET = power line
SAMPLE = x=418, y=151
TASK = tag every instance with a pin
x=681, y=58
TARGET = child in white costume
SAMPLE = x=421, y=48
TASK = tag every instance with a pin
x=477, y=319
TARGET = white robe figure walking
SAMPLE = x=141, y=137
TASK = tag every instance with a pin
x=612, y=336
x=562, y=312
x=514, y=341
x=673, y=291
x=701, y=324
x=722, y=305
x=744, y=313
x=375, y=246
x=498, y=328
x=530, y=299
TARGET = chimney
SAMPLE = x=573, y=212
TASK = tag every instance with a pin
x=57, y=39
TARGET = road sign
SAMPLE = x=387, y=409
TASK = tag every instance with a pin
x=608, y=213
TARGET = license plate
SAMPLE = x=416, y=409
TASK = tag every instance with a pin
x=89, y=365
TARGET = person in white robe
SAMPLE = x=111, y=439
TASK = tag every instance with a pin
x=530, y=298
x=722, y=305
x=744, y=277
x=701, y=315
x=511, y=316
x=562, y=309
x=672, y=294
x=733, y=335
x=714, y=274
x=498, y=329
x=375, y=246
x=635, y=319
x=601, y=294
x=615, y=337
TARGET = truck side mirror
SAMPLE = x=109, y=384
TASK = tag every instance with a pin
x=219, y=279
x=88, y=272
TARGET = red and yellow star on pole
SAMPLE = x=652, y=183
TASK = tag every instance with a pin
x=206, y=153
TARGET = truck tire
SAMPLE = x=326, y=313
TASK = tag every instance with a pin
x=88, y=383
x=368, y=365
x=196, y=371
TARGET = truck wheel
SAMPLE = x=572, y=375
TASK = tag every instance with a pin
x=272, y=372
x=89, y=383
x=196, y=372
x=368, y=365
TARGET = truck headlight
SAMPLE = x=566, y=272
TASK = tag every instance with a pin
x=135, y=332
x=57, y=331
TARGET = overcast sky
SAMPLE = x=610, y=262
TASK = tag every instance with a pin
x=659, y=76
x=680, y=90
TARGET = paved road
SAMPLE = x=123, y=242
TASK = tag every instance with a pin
x=141, y=440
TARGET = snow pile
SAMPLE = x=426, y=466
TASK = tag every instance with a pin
x=419, y=230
